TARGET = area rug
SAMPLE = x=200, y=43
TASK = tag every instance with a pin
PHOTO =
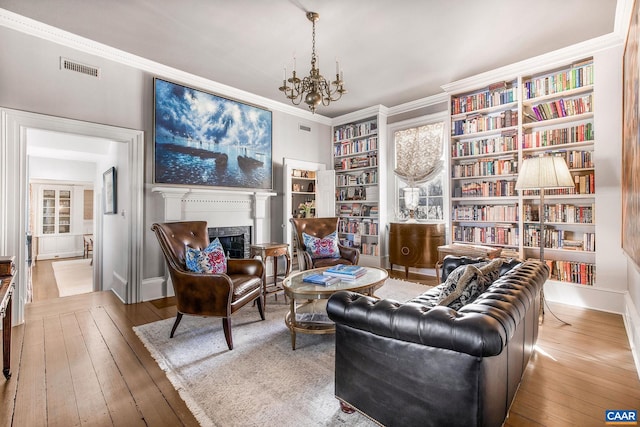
x=73, y=277
x=262, y=381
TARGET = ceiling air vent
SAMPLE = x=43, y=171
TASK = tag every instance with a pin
x=70, y=65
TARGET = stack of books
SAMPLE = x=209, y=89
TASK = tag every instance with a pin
x=345, y=272
x=320, y=279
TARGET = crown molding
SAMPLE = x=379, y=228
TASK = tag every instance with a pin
x=419, y=103
x=38, y=29
x=361, y=114
x=538, y=63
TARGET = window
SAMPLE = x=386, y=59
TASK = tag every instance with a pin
x=419, y=165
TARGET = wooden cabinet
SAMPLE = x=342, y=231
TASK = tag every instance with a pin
x=415, y=244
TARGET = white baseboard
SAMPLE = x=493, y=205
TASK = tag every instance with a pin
x=153, y=288
x=609, y=300
x=632, y=325
x=119, y=286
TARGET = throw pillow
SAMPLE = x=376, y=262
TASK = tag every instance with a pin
x=450, y=284
x=491, y=271
x=325, y=247
x=467, y=288
x=209, y=260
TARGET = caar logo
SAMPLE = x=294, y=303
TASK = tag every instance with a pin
x=621, y=417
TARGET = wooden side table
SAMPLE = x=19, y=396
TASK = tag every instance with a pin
x=274, y=250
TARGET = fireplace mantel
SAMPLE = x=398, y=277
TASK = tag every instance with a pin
x=218, y=207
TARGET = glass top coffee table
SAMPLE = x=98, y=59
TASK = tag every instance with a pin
x=308, y=302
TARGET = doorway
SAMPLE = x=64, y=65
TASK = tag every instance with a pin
x=120, y=262
x=62, y=171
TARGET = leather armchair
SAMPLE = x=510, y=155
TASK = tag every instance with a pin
x=202, y=294
x=320, y=227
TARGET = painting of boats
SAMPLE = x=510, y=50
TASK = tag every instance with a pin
x=204, y=139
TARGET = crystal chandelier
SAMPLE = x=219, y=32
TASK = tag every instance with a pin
x=314, y=89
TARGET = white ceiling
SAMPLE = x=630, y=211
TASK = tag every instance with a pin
x=391, y=52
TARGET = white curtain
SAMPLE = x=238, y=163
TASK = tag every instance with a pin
x=419, y=153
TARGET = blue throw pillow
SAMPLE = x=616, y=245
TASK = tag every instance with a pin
x=325, y=247
x=463, y=288
x=209, y=260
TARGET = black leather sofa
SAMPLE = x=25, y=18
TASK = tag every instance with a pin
x=410, y=364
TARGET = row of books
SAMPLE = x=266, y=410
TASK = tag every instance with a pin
x=498, y=188
x=496, y=213
x=573, y=78
x=369, y=160
x=576, y=159
x=476, y=147
x=363, y=226
x=580, y=273
x=356, y=209
x=500, y=234
x=358, y=146
x=551, y=137
x=562, y=108
x=485, y=167
x=351, y=193
x=355, y=130
x=559, y=239
x=364, y=177
x=481, y=123
x=491, y=97
x=584, y=184
x=370, y=249
x=560, y=212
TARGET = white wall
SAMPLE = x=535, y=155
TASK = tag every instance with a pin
x=123, y=97
x=61, y=170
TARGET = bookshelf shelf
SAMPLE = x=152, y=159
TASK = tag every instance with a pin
x=554, y=115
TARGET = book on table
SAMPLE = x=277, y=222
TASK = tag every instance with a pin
x=321, y=279
x=347, y=272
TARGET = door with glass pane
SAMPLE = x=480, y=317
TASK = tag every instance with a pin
x=56, y=211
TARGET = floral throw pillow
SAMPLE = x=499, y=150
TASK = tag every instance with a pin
x=325, y=247
x=209, y=260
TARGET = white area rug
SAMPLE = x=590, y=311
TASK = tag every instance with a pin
x=262, y=381
x=73, y=277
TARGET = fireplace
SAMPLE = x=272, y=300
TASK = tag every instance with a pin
x=236, y=241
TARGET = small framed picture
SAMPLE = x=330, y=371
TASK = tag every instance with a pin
x=110, y=191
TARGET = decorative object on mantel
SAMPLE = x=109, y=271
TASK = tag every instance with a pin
x=540, y=173
x=314, y=88
x=418, y=159
x=204, y=139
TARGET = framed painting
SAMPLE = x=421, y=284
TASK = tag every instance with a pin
x=110, y=191
x=631, y=142
x=207, y=140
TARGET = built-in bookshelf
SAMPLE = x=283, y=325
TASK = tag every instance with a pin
x=558, y=120
x=356, y=159
x=484, y=165
x=493, y=129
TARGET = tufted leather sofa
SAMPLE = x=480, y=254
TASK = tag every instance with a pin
x=411, y=364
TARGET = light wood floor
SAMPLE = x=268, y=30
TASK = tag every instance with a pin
x=76, y=361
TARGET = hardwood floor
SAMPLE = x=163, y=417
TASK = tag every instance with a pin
x=76, y=361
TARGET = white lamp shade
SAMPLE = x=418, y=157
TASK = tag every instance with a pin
x=544, y=172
